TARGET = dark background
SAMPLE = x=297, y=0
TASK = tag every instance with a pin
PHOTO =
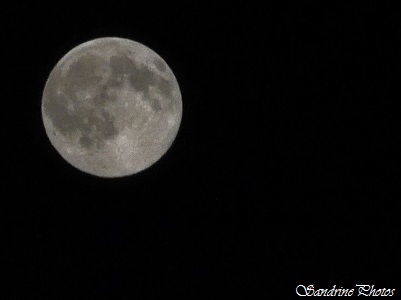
x=285, y=169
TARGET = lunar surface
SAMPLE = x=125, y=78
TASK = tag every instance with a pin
x=111, y=107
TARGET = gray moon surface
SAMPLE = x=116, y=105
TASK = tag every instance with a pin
x=111, y=107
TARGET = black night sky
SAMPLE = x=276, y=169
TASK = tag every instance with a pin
x=285, y=170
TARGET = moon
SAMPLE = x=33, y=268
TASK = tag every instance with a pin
x=111, y=107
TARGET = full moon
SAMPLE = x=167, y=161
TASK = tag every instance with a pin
x=111, y=107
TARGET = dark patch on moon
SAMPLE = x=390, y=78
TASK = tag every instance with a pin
x=56, y=109
x=165, y=87
x=103, y=95
x=88, y=116
x=106, y=126
x=155, y=104
x=116, y=81
x=141, y=78
x=85, y=141
x=82, y=74
x=94, y=123
x=121, y=65
x=105, y=130
x=101, y=98
x=160, y=65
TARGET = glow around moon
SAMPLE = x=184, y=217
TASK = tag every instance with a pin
x=111, y=107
